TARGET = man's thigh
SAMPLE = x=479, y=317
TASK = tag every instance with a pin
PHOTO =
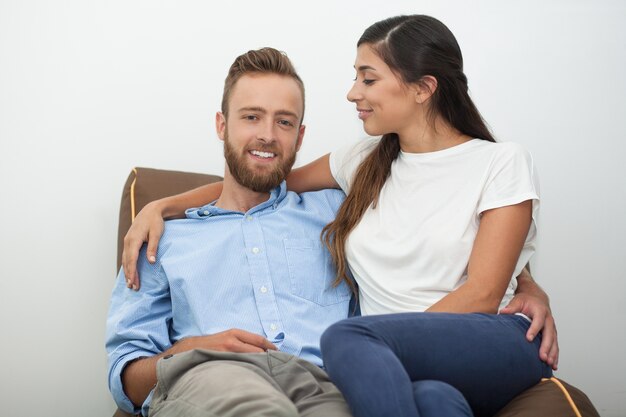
x=307, y=386
x=223, y=384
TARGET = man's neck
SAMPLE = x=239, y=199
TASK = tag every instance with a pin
x=236, y=197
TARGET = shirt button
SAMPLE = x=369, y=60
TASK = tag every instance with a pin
x=205, y=212
x=264, y=289
x=255, y=250
x=273, y=326
x=249, y=218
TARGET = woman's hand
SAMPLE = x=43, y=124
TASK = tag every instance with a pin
x=147, y=227
x=534, y=303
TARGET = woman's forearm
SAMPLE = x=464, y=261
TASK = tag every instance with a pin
x=174, y=206
x=496, y=249
x=468, y=298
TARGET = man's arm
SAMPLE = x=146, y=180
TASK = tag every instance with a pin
x=138, y=335
x=533, y=302
x=140, y=376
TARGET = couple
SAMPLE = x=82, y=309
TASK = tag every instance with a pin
x=437, y=217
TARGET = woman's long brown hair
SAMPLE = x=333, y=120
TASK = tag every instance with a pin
x=412, y=46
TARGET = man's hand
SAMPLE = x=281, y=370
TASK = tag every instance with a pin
x=233, y=340
x=536, y=305
x=140, y=376
x=147, y=227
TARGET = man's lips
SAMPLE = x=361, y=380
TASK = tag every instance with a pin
x=262, y=155
x=364, y=113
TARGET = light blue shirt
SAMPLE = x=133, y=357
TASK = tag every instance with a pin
x=265, y=271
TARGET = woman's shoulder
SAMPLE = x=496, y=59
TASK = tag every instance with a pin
x=514, y=150
x=506, y=150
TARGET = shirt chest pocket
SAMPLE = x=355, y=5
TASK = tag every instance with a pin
x=312, y=274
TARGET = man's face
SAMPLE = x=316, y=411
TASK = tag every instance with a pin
x=262, y=132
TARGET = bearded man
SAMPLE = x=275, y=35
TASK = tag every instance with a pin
x=228, y=319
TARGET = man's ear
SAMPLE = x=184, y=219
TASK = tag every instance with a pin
x=220, y=124
x=425, y=88
x=300, y=137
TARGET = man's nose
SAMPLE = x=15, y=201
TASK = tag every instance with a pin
x=267, y=132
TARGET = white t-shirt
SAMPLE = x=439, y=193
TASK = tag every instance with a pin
x=414, y=247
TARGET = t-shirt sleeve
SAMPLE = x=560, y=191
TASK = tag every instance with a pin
x=345, y=161
x=512, y=180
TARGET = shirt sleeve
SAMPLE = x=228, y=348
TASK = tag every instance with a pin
x=511, y=180
x=345, y=161
x=137, y=325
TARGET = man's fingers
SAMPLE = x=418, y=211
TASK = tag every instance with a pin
x=255, y=340
x=242, y=347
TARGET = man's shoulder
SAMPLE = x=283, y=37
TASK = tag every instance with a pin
x=328, y=197
x=178, y=230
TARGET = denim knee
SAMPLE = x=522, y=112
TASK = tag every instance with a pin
x=437, y=398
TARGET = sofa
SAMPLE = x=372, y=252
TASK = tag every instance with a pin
x=549, y=398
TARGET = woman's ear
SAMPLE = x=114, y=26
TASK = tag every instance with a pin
x=425, y=88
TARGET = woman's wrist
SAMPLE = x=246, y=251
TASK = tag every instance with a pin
x=164, y=208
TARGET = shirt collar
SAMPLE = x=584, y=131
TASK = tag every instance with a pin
x=277, y=195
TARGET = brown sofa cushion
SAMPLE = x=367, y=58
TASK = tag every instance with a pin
x=147, y=184
x=550, y=398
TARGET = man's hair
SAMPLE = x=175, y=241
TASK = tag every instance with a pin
x=261, y=61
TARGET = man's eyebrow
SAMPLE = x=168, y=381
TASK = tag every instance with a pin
x=282, y=112
x=287, y=113
x=252, y=108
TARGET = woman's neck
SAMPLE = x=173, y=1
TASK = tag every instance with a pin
x=430, y=136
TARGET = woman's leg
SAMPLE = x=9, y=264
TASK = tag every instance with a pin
x=375, y=359
x=438, y=399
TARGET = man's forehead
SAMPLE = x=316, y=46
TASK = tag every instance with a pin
x=269, y=93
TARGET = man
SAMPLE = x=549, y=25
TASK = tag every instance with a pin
x=229, y=317
x=252, y=260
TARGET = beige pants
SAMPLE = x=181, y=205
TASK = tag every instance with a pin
x=221, y=384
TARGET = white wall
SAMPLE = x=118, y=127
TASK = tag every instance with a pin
x=89, y=89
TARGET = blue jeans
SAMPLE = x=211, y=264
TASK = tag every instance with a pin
x=375, y=360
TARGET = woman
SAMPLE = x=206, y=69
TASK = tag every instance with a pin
x=438, y=218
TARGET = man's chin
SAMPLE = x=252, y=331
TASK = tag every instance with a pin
x=262, y=186
x=260, y=181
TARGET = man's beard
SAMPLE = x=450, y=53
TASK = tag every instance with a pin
x=260, y=180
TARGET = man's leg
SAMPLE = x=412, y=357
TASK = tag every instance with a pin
x=308, y=386
x=190, y=384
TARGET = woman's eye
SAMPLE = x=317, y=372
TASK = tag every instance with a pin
x=368, y=82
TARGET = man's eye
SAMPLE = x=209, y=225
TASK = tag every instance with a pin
x=250, y=117
x=285, y=123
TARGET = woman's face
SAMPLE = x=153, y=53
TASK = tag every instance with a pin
x=384, y=102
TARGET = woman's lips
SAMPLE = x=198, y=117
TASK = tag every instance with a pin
x=364, y=114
